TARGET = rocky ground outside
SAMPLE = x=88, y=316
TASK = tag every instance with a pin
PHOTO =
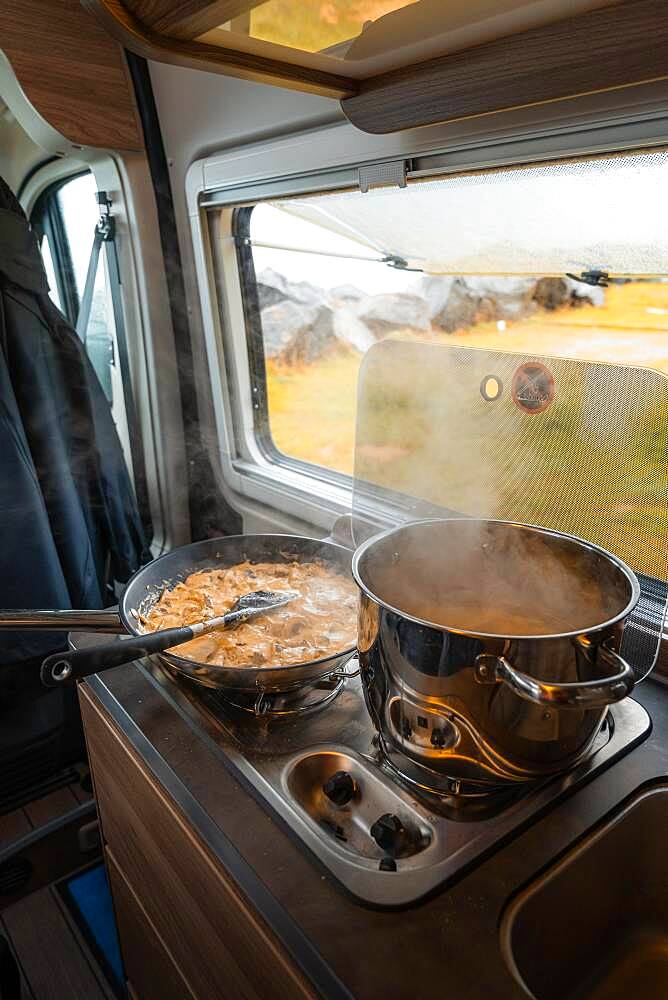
x=302, y=323
x=312, y=403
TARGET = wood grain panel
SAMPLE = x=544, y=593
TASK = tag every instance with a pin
x=188, y=18
x=54, y=965
x=50, y=806
x=148, y=965
x=13, y=825
x=219, y=944
x=73, y=73
x=135, y=36
x=606, y=49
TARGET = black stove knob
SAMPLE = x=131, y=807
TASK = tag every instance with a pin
x=389, y=833
x=439, y=738
x=387, y=864
x=340, y=788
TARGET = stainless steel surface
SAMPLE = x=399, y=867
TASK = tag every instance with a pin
x=259, y=680
x=281, y=762
x=586, y=694
x=63, y=621
x=595, y=925
x=303, y=781
x=288, y=704
x=454, y=703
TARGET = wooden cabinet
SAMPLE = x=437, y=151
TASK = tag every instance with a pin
x=183, y=923
x=149, y=967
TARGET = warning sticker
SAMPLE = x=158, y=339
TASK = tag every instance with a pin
x=532, y=388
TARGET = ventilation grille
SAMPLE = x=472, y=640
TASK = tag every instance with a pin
x=14, y=875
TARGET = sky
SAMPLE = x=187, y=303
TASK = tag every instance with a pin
x=269, y=225
x=81, y=212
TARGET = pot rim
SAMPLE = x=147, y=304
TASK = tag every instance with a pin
x=626, y=570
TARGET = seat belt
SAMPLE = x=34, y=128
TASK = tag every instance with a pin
x=105, y=235
x=87, y=297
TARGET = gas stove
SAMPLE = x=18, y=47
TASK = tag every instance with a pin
x=314, y=759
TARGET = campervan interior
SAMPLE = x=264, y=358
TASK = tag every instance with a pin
x=333, y=499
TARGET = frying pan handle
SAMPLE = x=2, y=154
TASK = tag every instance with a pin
x=578, y=694
x=63, y=621
x=76, y=663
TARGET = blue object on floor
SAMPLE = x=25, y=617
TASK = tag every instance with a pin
x=89, y=895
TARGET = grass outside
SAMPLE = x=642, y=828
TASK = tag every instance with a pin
x=314, y=25
x=312, y=408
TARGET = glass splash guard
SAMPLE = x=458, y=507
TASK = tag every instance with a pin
x=447, y=431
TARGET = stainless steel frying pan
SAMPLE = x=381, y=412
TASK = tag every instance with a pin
x=146, y=586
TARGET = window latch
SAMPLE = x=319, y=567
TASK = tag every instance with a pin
x=400, y=263
x=599, y=279
x=106, y=226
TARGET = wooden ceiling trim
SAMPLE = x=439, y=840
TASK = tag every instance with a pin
x=187, y=18
x=71, y=71
x=606, y=49
x=135, y=36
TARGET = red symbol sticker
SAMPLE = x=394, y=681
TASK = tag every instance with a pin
x=532, y=389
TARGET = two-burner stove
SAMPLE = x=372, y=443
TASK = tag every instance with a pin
x=313, y=757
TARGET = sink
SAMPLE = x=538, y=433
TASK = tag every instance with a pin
x=595, y=925
x=352, y=824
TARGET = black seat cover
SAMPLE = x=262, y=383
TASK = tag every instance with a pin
x=67, y=507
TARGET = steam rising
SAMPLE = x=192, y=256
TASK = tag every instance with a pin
x=494, y=578
x=593, y=464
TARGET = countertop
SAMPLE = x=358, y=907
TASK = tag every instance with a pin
x=448, y=943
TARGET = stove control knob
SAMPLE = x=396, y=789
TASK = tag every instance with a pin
x=439, y=738
x=390, y=834
x=340, y=788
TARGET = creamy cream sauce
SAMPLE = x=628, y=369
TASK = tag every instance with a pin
x=320, y=622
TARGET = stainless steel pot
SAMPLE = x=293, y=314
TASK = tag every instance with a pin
x=488, y=649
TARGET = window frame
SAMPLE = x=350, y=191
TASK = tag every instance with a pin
x=257, y=361
x=46, y=218
x=330, y=159
x=45, y=214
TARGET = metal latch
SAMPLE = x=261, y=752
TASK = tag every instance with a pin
x=106, y=225
x=599, y=279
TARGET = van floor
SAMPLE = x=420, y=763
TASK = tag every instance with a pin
x=54, y=959
x=40, y=811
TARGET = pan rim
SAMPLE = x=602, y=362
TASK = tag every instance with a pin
x=186, y=665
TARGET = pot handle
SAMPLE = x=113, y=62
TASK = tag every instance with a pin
x=579, y=694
